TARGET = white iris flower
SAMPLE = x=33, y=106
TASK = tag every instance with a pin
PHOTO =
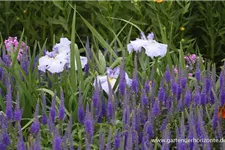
x=152, y=48
x=111, y=75
x=56, y=60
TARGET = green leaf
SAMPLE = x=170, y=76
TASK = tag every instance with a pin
x=22, y=85
x=27, y=124
x=181, y=57
x=58, y=4
x=79, y=66
x=102, y=62
x=99, y=37
x=116, y=62
x=2, y=103
x=72, y=54
x=52, y=94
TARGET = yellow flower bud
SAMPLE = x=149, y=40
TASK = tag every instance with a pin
x=182, y=28
x=158, y=1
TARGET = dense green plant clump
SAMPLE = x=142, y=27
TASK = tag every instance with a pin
x=123, y=113
x=198, y=24
x=147, y=92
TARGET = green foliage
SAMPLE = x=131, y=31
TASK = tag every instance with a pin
x=111, y=26
x=171, y=21
x=40, y=22
x=209, y=29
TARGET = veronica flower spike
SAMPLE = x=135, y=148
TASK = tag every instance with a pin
x=152, y=48
x=111, y=75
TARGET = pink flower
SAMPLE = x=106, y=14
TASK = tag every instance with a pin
x=190, y=74
x=193, y=58
x=175, y=70
x=187, y=59
x=12, y=44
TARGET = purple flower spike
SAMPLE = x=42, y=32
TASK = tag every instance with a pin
x=144, y=99
x=24, y=62
x=222, y=87
x=101, y=140
x=162, y=95
x=183, y=82
x=221, y=79
x=2, y=146
x=207, y=82
x=6, y=139
x=61, y=107
x=174, y=87
x=7, y=60
x=203, y=96
x=148, y=128
x=197, y=96
x=89, y=53
x=179, y=92
x=44, y=116
x=17, y=112
x=167, y=74
x=80, y=109
x=20, y=144
x=187, y=97
x=200, y=125
x=147, y=86
x=35, y=127
x=52, y=109
x=181, y=134
x=215, y=118
x=198, y=72
x=86, y=69
x=134, y=121
x=129, y=142
x=156, y=108
x=110, y=109
x=212, y=98
x=122, y=84
x=192, y=131
x=69, y=132
x=35, y=63
x=134, y=84
x=37, y=144
x=9, y=111
x=108, y=144
x=88, y=123
x=96, y=95
x=57, y=142
x=117, y=140
x=166, y=135
x=164, y=123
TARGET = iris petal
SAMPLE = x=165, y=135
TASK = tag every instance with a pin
x=112, y=75
x=152, y=48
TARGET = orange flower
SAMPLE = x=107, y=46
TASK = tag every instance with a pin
x=221, y=112
x=158, y=1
